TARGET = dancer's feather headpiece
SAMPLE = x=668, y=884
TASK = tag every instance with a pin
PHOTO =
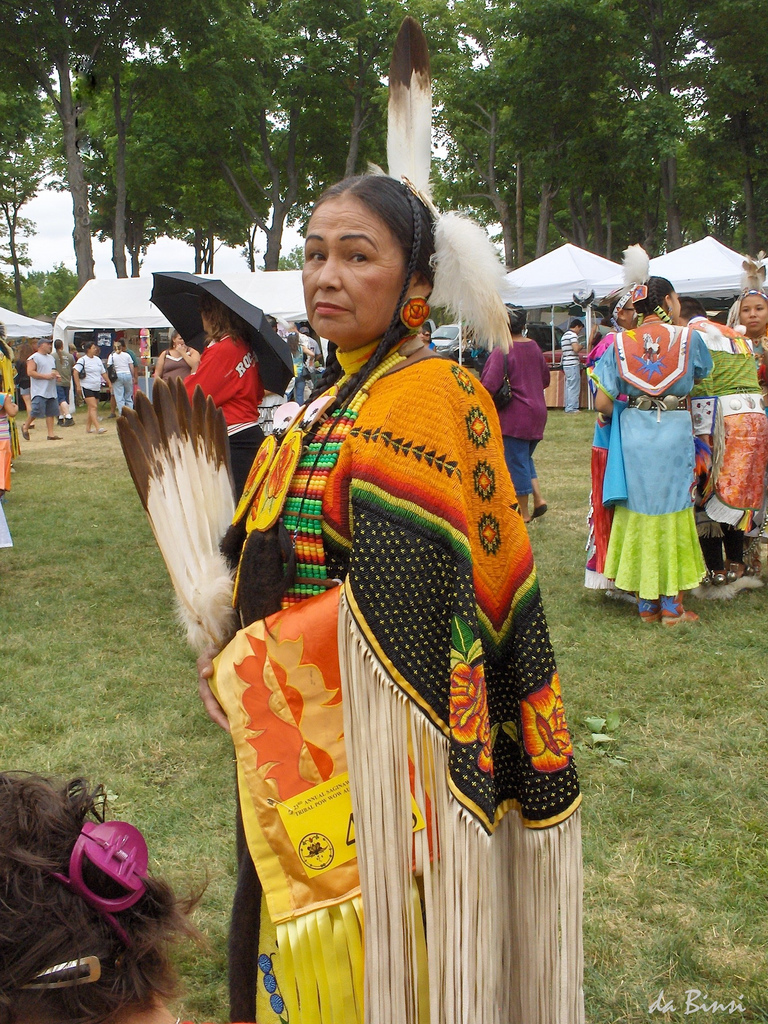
x=637, y=271
x=468, y=273
x=752, y=283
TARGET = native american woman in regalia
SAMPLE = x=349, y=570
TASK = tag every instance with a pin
x=654, y=548
x=405, y=771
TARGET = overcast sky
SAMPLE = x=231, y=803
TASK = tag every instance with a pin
x=51, y=212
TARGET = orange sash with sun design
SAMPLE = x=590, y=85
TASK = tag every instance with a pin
x=279, y=683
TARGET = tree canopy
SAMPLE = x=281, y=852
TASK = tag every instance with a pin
x=591, y=121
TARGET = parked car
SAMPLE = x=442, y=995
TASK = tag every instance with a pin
x=446, y=344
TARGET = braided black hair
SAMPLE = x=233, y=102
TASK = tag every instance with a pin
x=268, y=565
x=658, y=289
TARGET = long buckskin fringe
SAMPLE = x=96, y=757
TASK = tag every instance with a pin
x=502, y=912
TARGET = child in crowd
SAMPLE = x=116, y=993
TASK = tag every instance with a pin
x=85, y=930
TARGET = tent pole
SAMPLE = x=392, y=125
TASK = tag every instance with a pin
x=552, y=329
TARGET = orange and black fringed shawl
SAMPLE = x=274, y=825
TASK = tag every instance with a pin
x=422, y=517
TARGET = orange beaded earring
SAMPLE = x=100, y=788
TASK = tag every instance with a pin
x=414, y=312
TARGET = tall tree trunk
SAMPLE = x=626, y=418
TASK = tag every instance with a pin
x=578, y=217
x=507, y=232
x=251, y=247
x=608, y=231
x=548, y=193
x=11, y=219
x=669, y=188
x=134, y=235
x=78, y=186
x=357, y=114
x=597, y=222
x=519, y=213
x=210, y=252
x=199, y=244
x=749, y=211
x=274, y=241
x=121, y=123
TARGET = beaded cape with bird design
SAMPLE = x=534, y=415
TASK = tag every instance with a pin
x=410, y=502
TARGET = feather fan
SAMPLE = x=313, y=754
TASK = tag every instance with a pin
x=178, y=458
x=409, y=125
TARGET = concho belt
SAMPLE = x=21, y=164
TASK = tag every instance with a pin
x=733, y=405
x=667, y=404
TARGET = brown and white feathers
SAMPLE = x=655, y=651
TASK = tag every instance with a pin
x=178, y=458
x=409, y=116
x=468, y=272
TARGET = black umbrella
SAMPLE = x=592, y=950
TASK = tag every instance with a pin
x=177, y=296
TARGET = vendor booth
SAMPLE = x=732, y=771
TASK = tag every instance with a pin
x=123, y=304
x=559, y=279
x=706, y=269
x=554, y=279
x=18, y=326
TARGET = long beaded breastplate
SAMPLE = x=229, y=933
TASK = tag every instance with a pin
x=288, y=480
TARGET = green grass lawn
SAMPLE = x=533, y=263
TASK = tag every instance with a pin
x=98, y=681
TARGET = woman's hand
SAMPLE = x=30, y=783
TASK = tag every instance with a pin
x=204, y=673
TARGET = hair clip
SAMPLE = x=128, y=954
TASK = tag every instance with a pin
x=119, y=851
x=68, y=975
x=639, y=293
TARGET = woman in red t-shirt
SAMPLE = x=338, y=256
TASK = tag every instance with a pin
x=229, y=373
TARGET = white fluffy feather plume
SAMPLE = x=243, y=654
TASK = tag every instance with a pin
x=468, y=276
x=753, y=279
x=177, y=456
x=409, y=124
x=637, y=266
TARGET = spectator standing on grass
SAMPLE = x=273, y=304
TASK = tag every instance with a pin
x=43, y=377
x=64, y=363
x=177, y=361
x=425, y=334
x=311, y=355
x=524, y=417
x=122, y=385
x=22, y=377
x=89, y=373
x=572, y=344
x=8, y=409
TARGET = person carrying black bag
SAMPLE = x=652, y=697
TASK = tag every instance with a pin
x=517, y=381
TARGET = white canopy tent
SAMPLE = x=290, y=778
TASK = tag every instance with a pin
x=18, y=326
x=120, y=304
x=553, y=279
x=703, y=269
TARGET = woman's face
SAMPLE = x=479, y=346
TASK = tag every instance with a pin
x=91, y=349
x=753, y=313
x=626, y=317
x=353, y=273
x=672, y=302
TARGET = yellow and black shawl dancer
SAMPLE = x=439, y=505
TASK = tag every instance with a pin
x=405, y=771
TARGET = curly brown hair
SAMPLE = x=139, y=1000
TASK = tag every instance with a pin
x=42, y=923
x=222, y=321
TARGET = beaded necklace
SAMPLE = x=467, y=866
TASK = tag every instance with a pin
x=303, y=512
